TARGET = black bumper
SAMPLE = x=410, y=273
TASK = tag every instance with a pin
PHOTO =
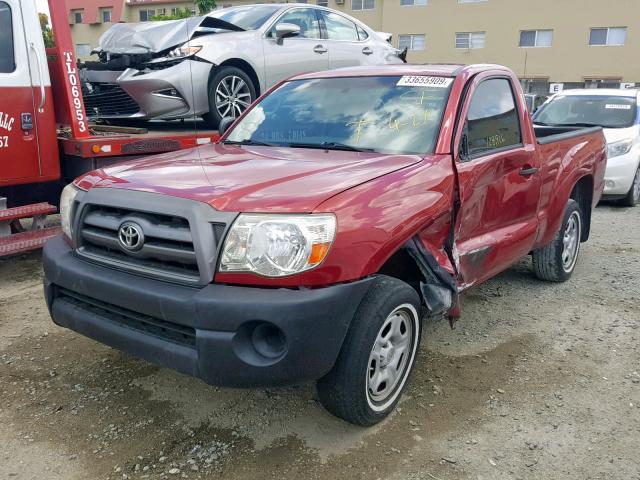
x=205, y=332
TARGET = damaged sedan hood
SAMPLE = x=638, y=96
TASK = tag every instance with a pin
x=156, y=37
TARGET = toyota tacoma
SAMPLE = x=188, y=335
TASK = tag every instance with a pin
x=335, y=214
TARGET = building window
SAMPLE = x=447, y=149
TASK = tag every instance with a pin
x=363, y=4
x=147, y=15
x=536, y=38
x=7, y=55
x=412, y=42
x=76, y=16
x=608, y=36
x=471, y=1
x=83, y=49
x=106, y=16
x=468, y=40
x=302, y=1
x=322, y=3
x=161, y=11
x=413, y=3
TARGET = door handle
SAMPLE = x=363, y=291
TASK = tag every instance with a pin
x=43, y=92
x=320, y=49
x=528, y=171
x=367, y=51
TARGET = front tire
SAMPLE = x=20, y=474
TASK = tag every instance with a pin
x=231, y=91
x=633, y=196
x=377, y=356
x=557, y=261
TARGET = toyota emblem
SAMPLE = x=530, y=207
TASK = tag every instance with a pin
x=130, y=236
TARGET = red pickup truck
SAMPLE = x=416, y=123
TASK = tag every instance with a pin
x=333, y=216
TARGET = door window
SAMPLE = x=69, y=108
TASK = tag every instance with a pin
x=306, y=19
x=492, y=121
x=7, y=56
x=339, y=28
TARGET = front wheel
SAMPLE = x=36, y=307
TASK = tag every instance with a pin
x=231, y=91
x=377, y=356
x=557, y=261
x=633, y=196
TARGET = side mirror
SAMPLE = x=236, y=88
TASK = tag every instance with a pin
x=224, y=124
x=286, y=30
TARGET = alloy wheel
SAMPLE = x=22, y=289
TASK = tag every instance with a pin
x=233, y=96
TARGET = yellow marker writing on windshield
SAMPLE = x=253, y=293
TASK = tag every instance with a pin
x=360, y=124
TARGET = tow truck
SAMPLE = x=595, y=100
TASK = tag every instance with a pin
x=46, y=139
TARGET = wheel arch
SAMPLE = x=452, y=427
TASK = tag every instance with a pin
x=415, y=265
x=245, y=67
x=582, y=193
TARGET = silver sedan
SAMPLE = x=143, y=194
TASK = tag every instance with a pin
x=214, y=66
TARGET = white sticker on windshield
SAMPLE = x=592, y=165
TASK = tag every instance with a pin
x=424, y=81
x=616, y=106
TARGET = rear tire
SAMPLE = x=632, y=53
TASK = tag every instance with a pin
x=231, y=91
x=557, y=261
x=633, y=196
x=377, y=356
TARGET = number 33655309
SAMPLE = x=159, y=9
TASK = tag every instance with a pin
x=4, y=141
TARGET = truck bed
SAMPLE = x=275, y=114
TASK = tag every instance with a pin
x=546, y=135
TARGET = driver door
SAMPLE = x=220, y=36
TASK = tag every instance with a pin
x=306, y=52
x=499, y=181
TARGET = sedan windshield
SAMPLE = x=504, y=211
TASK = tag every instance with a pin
x=250, y=17
x=399, y=115
x=609, y=111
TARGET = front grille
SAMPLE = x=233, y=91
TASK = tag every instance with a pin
x=168, y=250
x=169, y=331
x=109, y=100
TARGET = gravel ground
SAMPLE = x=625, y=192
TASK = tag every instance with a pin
x=538, y=381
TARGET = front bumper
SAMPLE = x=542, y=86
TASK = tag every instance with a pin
x=188, y=78
x=204, y=332
x=620, y=173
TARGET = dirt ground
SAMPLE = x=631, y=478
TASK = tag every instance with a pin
x=538, y=381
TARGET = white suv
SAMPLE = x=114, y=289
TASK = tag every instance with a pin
x=618, y=112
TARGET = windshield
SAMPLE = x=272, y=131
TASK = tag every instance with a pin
x=609, y=111
x=383, y=114
x=250, y=17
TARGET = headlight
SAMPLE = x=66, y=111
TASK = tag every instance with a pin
x=67, y=198
x=184, y=51
x=619, y=148
x=277, y=245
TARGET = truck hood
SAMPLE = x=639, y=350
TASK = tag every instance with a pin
x=156, y=37
x=250, y=179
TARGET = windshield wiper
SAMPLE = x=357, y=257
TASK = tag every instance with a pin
x=331, y=146
x=249, y=142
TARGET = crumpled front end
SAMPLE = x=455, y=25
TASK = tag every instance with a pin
x=160, y=90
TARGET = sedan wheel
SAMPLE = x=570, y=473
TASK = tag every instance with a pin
x=233, y=97
x=231, y=92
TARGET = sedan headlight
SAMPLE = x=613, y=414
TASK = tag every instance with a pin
x=67, y=198
x=619, y=148
x=184, y=51
x=277, y=245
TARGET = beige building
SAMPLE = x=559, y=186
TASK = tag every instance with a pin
x=574, y=42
